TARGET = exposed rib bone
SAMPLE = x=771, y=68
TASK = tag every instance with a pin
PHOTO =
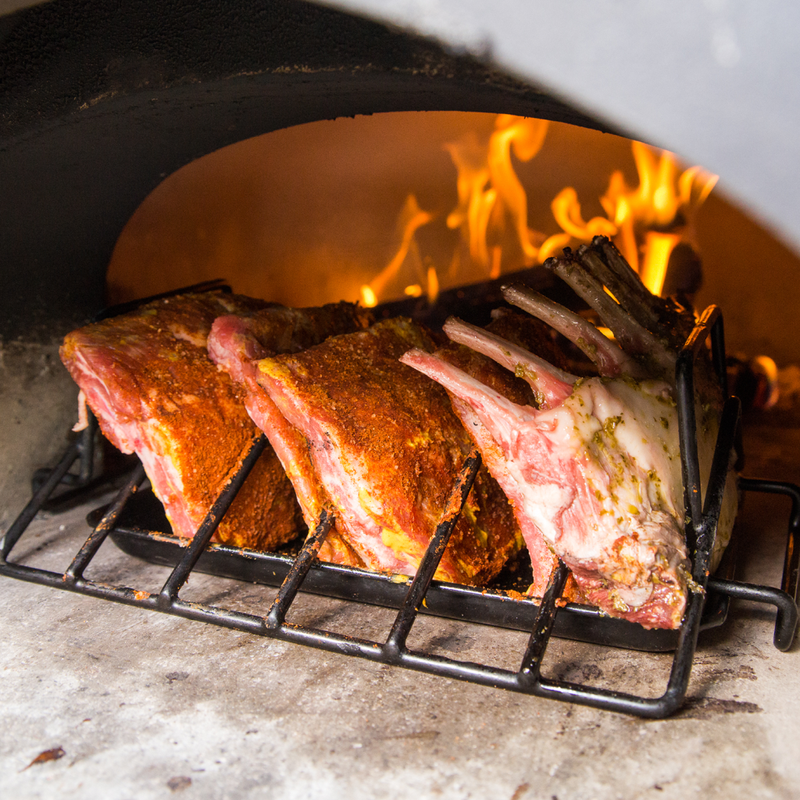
x=550, y=384
x=604, y=261
x=610, y=358
x=474, y=402
x=670, y=320
x=633, y=338
x=465, y=386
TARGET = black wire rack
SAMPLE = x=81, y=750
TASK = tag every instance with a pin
x=547, y=617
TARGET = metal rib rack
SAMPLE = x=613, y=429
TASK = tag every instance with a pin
x=547, y=615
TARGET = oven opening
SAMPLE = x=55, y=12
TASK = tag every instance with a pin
x=407, y=204
x=413, y=212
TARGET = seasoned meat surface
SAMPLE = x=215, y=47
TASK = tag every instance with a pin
x=148, y=379
x=363, y=434
x=237, y=342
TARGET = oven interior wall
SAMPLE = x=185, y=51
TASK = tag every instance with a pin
x=307, y=215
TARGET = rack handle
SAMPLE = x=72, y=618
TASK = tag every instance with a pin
x=786, y=617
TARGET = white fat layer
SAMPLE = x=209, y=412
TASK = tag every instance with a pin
x=599, y=476
x=623, y=437
x=83, y=415
x=630, y=431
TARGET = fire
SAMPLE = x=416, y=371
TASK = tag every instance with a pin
x=489, y=190
x=491, y=215
x=411, y=218
x=646, y=222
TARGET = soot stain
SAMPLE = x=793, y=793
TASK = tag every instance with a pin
x=710, y=707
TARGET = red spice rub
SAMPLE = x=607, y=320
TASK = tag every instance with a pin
x=148, y=379
x=237, y=342
x=385, y=449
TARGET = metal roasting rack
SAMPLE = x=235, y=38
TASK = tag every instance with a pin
x=707, y=603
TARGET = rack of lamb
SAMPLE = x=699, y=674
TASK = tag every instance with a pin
x=592, y=466
x=378, y=445
x=149, y=380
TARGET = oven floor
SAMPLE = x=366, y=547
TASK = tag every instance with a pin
x=138, y=704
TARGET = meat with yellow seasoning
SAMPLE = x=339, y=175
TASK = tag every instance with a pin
x=384, y=450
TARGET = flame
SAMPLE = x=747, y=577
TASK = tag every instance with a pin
x=645, y=221
x=433, y=285
x=657, y=250
x=368, y=296
x=489, y=190
x=567, y=211
x=525, y=137
x=412, y=217
x=475, y=202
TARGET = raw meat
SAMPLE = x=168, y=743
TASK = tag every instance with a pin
x=237, y=341
x=378, y=443
x=592, y=468
x=148, y=379
x=236, y=344
x=526, y=332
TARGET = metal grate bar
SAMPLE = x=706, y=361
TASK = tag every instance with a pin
x=209, y=525
x=300, y=567
x=786, y=618
x=85, y=442
x=718, y=356
x=543, y=626
x=396, y=641
x=96, y=538
x=790, y=582
x=687, y=423
x=21, y=523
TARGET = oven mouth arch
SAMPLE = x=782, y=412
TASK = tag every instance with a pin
x=99, y=106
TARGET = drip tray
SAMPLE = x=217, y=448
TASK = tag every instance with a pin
x=144, y=532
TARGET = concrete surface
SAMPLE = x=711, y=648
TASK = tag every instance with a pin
x=38, y=406
x=142, y=705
